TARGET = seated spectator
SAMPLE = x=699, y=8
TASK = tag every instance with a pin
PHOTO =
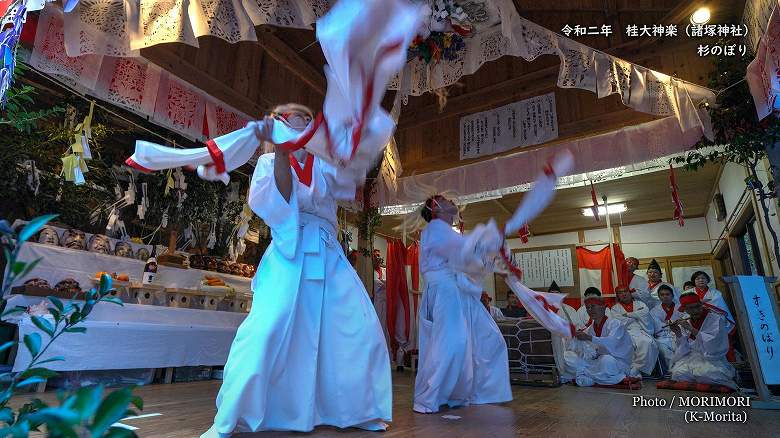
x=702, y=344
x=663, y=315
x=688, y=285
x=635, y=315
x=513, y=307
x=582, y=315
x=494, y=311
x=566, y=311
x=601, y=353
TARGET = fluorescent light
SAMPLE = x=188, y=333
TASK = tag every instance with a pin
x=701, y=16
x=613, y=209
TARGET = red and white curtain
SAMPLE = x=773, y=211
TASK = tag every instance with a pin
x=398, y=315
x=595, y=269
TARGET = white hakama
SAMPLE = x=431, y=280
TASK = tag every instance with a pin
x=664, y=336
x=311, y=351
x=703, y=360
x=640, y=327
x=605, y=360
x=463, y=357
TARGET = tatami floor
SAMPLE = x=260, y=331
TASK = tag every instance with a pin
x=186, y=410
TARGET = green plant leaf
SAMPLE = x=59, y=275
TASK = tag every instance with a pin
x=43, y=324
x=30, y=381
x=138, y=402
x=105, y=284
x=87, y=400
x=55, y=313
x=7, y=345
x=118, y=432
x=28, y=268
x=34, y=226
x=17, y=267
x=15, y=310
x=39, y=372
x=57, y=303
x=115, y=300
x=33, y=343
x=111, y=410
x=75, y=330
x=52, y=359
x=7, y=415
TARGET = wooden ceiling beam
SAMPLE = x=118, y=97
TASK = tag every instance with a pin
x=165, y=57
x=290, y=59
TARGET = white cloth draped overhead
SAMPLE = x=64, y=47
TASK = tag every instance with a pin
x=364, y=45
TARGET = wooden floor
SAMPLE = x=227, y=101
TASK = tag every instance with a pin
x=187, y=409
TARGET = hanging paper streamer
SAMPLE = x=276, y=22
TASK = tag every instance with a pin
x=169, y=183
x=211, y=241
x=678, y=207
x=144, y=205
x=9, y=38
x=33, y=176
x=164, y=221
x=524, y=232
x=74, y=168
x=595, y=207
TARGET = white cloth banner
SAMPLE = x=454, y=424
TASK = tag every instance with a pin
x=135, y=336
x=763, y=73
x=524, y=123
x=541, y=268
x=763, y=324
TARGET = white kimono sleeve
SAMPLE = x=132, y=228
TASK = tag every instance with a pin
x=466, y=253
x=712, y=340
x=268, y=203
x=612, y=341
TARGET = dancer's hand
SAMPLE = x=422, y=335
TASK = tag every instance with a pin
x=583, y=336
x=264, y=129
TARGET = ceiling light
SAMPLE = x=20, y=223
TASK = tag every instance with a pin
x=613, y=209
x=701, y=16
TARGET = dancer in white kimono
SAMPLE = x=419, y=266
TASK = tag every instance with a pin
x=311, y=351
x=463, y=357
x=702, y=344
x=664, y=314
x=601, y=353
x=635, y=315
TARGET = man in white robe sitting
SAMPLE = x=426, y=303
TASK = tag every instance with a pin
x=702, y=344
x=583, y=319
x=637, y=284
x=664, y=315
x=601, y=353
x=635, y=316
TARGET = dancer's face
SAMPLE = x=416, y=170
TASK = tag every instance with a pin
x=445, y=209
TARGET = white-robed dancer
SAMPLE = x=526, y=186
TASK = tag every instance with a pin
x=311, y=351
x=702, y=344
x=463, y=356
x=602, y=351
x=664, y=314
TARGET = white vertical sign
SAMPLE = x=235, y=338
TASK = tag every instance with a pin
x=524, y=123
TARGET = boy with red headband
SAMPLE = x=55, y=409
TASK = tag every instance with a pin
x=702, y=343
